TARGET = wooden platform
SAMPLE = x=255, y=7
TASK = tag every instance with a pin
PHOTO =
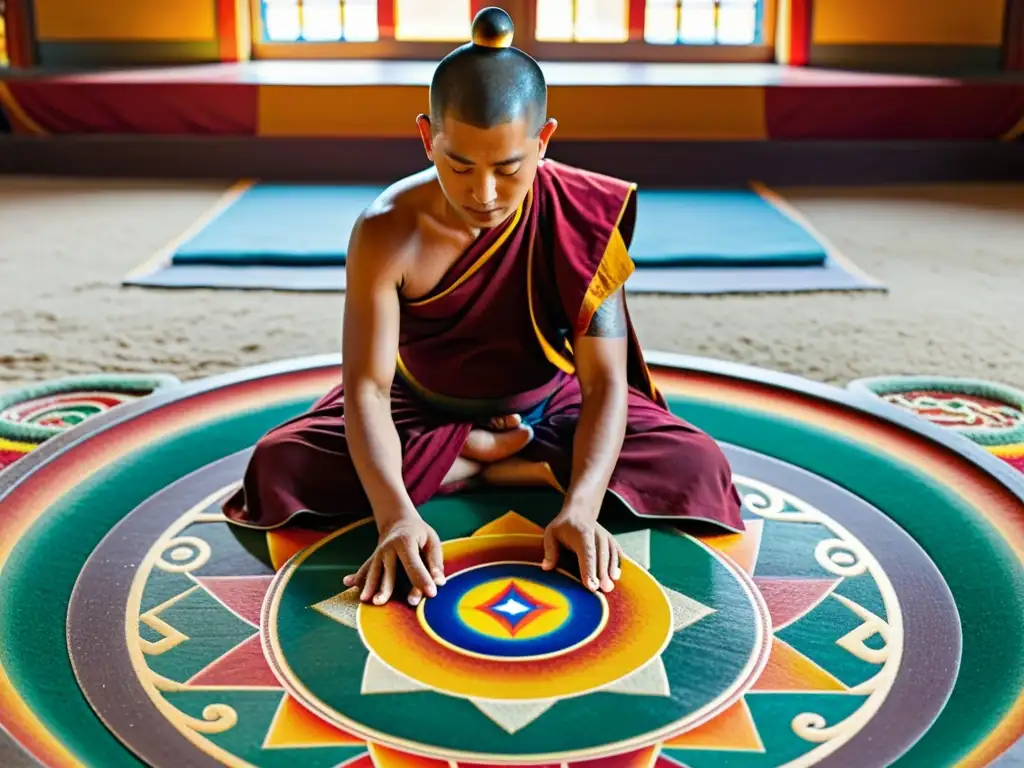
x=593, y=101
x=657, y=123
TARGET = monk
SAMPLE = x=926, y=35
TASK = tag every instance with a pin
x=487, y=340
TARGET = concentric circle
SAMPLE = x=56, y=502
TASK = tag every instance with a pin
x=884, y=490
x=513, y=612
x=498, y=582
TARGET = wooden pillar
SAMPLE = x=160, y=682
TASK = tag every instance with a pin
x=795, y=30
x=386, y=19
x=21, y=46
x=1013, y=37
x=234, y=33
x=637, y=19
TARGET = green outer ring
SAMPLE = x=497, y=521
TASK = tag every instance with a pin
x=877, y=386
x=927, y=512
x=119, y=383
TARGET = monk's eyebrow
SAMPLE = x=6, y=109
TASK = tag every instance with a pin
x=466, y=161
x=458, y=158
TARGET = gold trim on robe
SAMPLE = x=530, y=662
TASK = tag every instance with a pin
x=484, y=258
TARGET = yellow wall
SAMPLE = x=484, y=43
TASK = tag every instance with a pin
x=909, y=22
x=125, y=20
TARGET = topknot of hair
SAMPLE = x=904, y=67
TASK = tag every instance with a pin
x=493, y=28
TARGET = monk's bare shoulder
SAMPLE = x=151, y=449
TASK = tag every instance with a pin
x=384, y=239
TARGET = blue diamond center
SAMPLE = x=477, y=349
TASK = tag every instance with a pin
x=513, y=608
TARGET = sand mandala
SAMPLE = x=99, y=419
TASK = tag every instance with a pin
x=988, y=413
x=779, y=643
x=842, y=627
x=29, y=416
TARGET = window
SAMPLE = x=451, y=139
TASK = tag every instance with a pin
x=321, y=21
x=690, y=22
x=551, y=30
x=290, y=21
x=432, y=20
x=582, y=21
x=702, y=22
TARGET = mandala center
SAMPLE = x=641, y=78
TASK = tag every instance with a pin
x=513, y=612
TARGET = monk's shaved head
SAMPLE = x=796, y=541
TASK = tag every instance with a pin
x=487, y=82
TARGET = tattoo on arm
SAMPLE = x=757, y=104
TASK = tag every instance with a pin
x=609, y=321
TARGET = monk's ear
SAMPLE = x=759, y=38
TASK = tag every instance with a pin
x=546, y=132
x=426, y=130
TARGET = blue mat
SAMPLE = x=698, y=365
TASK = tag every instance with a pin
x=306, y=226
x=677, y=228
x=281, y=225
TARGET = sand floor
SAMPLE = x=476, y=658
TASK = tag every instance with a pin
x=952, y=256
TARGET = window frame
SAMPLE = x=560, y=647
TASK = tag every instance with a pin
x=524, y=12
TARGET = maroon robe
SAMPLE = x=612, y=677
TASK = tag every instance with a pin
x=495, y=338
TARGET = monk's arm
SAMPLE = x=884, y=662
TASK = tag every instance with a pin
x=601, y=358
x=369, y=355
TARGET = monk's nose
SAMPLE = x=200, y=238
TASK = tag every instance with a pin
x=485, y=190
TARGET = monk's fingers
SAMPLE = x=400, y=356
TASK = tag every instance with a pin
x=372, y=577
x=588, y=561
x=359, y=577
x=415, y=596
x=435, y=557
x=387, y=581
x=616, y=569
x=604, y=561
x=418, y=574
x=550, y=550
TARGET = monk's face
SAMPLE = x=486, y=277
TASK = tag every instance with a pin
x=486, y=172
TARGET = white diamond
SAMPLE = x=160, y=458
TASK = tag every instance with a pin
x=512, y=607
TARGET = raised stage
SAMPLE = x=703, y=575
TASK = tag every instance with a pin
x=354, y=119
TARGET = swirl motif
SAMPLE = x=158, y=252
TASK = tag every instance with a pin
x=814, y=728
x=770, y=503
x=842, y=558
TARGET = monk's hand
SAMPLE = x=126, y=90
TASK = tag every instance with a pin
x=409, y=540
x=599, y=554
